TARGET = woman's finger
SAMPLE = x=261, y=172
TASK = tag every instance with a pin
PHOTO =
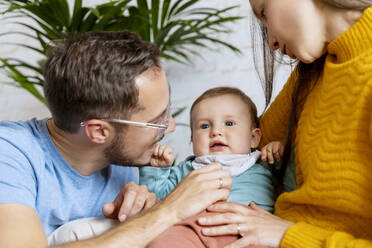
x=255, y=207
x=230, y=229
x=220, y=219
x=232, y=207
x=246, y=241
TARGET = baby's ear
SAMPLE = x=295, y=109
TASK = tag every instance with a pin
x=255, y=137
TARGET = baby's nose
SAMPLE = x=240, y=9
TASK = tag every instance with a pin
x=217, y=131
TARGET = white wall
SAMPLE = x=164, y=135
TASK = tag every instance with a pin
x=218, y=66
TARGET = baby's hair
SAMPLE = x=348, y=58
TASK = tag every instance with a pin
x=220, y=91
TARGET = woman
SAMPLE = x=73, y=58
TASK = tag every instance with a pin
x=329, y=98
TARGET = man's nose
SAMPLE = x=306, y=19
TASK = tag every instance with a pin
x=171, y=125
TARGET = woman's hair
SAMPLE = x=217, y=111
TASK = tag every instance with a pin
x=221, y=91
x=307, y=74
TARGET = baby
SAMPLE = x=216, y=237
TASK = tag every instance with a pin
x=224, y=129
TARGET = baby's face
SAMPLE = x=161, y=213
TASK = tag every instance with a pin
x=221, y=125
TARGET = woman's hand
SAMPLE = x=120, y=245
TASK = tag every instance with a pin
x=198, y=190
x=257, y=227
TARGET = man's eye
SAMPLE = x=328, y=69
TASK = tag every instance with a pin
x=229, y=123
x=204, y=126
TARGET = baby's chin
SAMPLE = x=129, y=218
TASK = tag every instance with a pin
x=214, y=153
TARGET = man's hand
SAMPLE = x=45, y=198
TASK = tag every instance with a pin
x=163, y=156
x=198, y=190
x=131, y=200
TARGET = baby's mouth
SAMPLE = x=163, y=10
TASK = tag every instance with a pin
x=215, y=146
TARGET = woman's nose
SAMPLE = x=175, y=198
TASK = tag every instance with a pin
x=273, y=42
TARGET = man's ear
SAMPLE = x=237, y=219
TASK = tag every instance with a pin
x=255, y=137
x=98, y=131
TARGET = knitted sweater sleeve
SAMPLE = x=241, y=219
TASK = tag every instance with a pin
x=273, y=123
x=303, y=235
x=310, y=236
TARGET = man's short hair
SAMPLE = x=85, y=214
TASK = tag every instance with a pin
x=92, y=75
x=220, y=91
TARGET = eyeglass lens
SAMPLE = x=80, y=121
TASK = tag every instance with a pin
x=165, y=121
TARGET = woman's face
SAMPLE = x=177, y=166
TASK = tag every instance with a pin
x=296, y=27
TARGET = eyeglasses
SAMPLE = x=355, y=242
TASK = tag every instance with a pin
x=161, y=126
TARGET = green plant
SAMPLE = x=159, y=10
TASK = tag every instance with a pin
x=177, y=27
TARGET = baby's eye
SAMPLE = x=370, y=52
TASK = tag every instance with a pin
x=229, y=123
x=204, y=126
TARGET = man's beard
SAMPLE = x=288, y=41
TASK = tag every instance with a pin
x=115, y=153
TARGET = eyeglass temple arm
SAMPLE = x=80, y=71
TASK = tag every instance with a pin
x=140, y=124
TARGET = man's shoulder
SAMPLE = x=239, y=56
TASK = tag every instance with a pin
x=21, y=135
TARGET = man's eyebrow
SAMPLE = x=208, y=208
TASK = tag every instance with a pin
x=165, y=110
x=160, y=115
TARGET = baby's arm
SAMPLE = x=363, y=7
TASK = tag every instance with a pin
x=162, y=181
x=163, y=156
x=272, y=152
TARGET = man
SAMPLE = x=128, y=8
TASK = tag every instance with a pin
x=109, y=101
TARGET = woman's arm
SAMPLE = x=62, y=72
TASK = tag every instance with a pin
x=260, y=228
x=273, y=123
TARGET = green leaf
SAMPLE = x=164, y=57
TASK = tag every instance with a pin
x=21, y=63
x=154, y=17
x=179, y=111
x=185, y=6
x=143, y=11
x=24, y=45
x=164, y=12
x=173, y=8
x=77, y=20
x=22, y=80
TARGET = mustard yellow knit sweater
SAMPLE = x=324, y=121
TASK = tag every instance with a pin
x=332, y=206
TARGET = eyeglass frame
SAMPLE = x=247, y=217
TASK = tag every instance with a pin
x=160, y=127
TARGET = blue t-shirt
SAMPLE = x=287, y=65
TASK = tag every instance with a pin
x=33, y=173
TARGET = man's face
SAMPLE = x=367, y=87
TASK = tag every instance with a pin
x=135, y=145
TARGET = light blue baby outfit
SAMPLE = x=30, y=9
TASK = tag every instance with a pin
x=253, y=184
x=33, y=173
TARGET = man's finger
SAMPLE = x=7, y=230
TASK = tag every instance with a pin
x=127, y=203
x=108, y=210
x=139, y=203
x=151, y=201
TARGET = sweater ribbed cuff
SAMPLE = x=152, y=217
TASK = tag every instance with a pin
x=304, y=235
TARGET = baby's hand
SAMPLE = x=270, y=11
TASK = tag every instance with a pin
x=272, y=152
x=162, y=156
